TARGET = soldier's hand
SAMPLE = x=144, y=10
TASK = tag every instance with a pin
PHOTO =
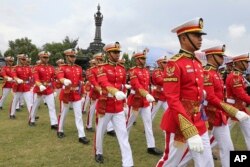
x=241, y=116
x=55, y=94
x=195, y=143
x=19, y=81
x=67, y=82
x=119, y=95
x=9, y=79
x=42, y=88
x=150, y=98
x=127, y=86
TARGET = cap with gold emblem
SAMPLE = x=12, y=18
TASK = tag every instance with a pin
x=112, y=47
x=192, y=26
x=60, y=61
x=98, y=56
x=69, y=52
x=142, y=54
x=9, y=58
x=22, y=56
x=44, y=53
x=216, y=50
x=162, y=59
x=242, y=57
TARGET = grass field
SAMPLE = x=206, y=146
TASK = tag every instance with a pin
x=24, y=146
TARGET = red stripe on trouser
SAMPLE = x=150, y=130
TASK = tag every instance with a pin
x=129, y=110
x=60, y=108
x=166, y=152
x=96, y=122
x=186, y=151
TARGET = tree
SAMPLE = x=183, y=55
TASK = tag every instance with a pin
x=22, y=46
x=57, y=48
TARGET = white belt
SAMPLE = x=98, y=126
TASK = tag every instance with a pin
x=75, y=88
x=231, y=101
x=132, y=91
x=205, y=102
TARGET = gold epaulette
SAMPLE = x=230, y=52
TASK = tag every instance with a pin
x=176, y=57
x=207, y=68
x=121, y=65
x=102, y=64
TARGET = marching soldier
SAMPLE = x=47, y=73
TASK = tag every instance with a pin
x=57, y=84
x=70, y=76
x=183, y=122
x=215, y=107
x=21, y=87
x=44, y=77
x=139, y=100
x=111, y=76
x=95, y=89
x=7, y=75
x=157, y=80
x=237, y=95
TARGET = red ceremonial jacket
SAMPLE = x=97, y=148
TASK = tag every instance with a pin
x=183, y=88
x=44, y=74
x=157, y=80
x=6, y=71
x=24, y=73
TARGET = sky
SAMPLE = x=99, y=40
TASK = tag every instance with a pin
x=134, y=23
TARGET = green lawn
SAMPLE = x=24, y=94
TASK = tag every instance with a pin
x=24, y=146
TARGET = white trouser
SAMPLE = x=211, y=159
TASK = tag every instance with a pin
x=87, y=103
x=173, y=155
x=157, y=107
x=245, y=128
x=78, y=117
x=119, y=122
x=223, y=139
x=28, y=100
x=50, y=100
x=145, y=113
x=5, y=93
x=91, y=113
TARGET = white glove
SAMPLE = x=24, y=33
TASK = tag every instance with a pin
x=127, y=86
x=9, y=79
x=42, y=88
x=19, y=81
x=120, y=95
x=55, y=94
x=150, y=98
x=195, y=143
x=67, y=82
x=241, y=116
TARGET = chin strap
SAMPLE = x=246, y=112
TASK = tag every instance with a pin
x=218, y=64
x=191, y=41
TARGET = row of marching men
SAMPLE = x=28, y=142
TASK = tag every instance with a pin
x=107, y=93
x=183, y=82
x=199, y=101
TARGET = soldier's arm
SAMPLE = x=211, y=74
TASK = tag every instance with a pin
x=171, y=87
x=239, y=90
x=103, y=81
x=134, y=81
x=213, y=99
x=157, y=78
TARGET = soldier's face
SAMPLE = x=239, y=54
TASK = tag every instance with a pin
x=71, y=58
x=114, y=56
x=141, y=61
x=45, y=59
x=195, y=38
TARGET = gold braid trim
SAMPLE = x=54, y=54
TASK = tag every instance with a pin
x=143, y=92
x=187, y=128
x=229, y=109
x=112, y=90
